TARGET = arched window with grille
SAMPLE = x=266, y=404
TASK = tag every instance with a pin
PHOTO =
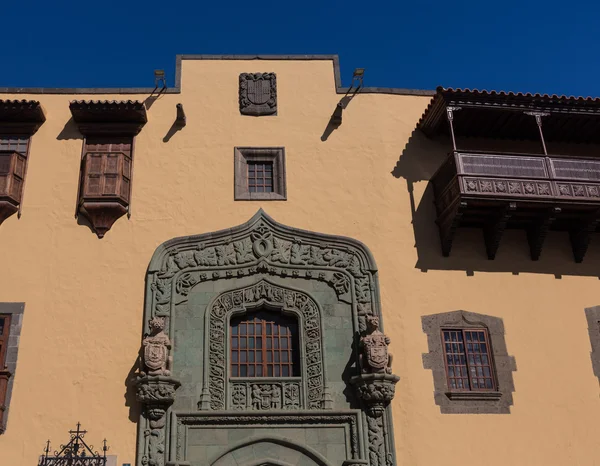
x=264, y=344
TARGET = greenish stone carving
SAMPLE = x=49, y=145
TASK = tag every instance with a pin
x=330, y=284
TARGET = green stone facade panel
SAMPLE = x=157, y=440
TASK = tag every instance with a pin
x=195, y=286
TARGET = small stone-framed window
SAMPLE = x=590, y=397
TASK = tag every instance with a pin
x=472, y=371
x=264, y=344
x=260, y=173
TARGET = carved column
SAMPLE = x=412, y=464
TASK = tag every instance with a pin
x=375, y=387
x=155, y=389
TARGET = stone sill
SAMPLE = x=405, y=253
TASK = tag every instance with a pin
x=474, y=396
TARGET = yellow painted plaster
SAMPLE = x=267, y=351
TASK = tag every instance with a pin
x=84, y=296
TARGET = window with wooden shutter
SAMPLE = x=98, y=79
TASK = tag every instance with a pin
x=105, y=180
x=109, y=128
x=13, y=163
x=107, y=168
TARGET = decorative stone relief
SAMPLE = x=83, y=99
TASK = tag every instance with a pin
x=266, y=248
x=260, y=394
x=258, y=94
x=155, y=389
x=375, y=357
x=375, y=386
x=265, y=396
x=263, y=248
x=156, y=346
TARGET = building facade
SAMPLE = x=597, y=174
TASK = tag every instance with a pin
x=219, y=273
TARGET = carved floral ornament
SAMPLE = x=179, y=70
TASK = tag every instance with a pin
x=266, y=396
x=263, y=248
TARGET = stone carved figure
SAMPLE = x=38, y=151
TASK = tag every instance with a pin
x=266, y=397
x=374, y=355
x=256, y=397
x=276, y=397
x=156, y=344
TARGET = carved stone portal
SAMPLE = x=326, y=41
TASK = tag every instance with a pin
x=258, y=94
x=280, y=268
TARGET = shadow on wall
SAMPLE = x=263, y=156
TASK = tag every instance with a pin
x=69, y=131
x=418, y=163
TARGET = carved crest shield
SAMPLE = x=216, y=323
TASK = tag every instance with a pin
x=155, y=355
x=377, y=356
x=258, y=94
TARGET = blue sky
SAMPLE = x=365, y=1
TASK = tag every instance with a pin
x=528, y=45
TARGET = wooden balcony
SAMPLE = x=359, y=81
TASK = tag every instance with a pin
x=535, y=193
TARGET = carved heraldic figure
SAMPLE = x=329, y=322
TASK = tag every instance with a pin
x=375, y=357
x=156, y=345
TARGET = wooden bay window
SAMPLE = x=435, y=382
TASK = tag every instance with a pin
x=107, y=161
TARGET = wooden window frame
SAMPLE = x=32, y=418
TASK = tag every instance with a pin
x=14, y=172
x=469, y=366
x=276, y=322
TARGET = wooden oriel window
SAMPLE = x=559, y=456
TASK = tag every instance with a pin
x=13, y=161
x=264, y=344
x=260, y=177
x=107, y=168
x=469, y=364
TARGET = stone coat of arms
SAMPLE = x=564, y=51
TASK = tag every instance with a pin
x=258, y=94
x=156, y=349
x=375, y=356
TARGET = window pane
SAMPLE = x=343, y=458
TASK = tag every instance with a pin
x=234, y=371
x=247, y=351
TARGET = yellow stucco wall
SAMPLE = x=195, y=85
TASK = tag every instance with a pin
x=84, y=296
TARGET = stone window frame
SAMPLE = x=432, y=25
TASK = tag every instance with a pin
x=274, y=155
x=592, y=315
x=469, y=402
x=15, y=311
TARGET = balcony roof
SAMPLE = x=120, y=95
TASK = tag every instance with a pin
x=109, y=116
x=21, y=115
x=501, y=115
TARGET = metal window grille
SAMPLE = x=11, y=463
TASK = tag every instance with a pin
x=468, y=360
x=260, y=177
x=264, y=344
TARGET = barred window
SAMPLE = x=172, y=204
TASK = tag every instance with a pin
x=260, y=177
x=264, y=344
x=469, y=365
